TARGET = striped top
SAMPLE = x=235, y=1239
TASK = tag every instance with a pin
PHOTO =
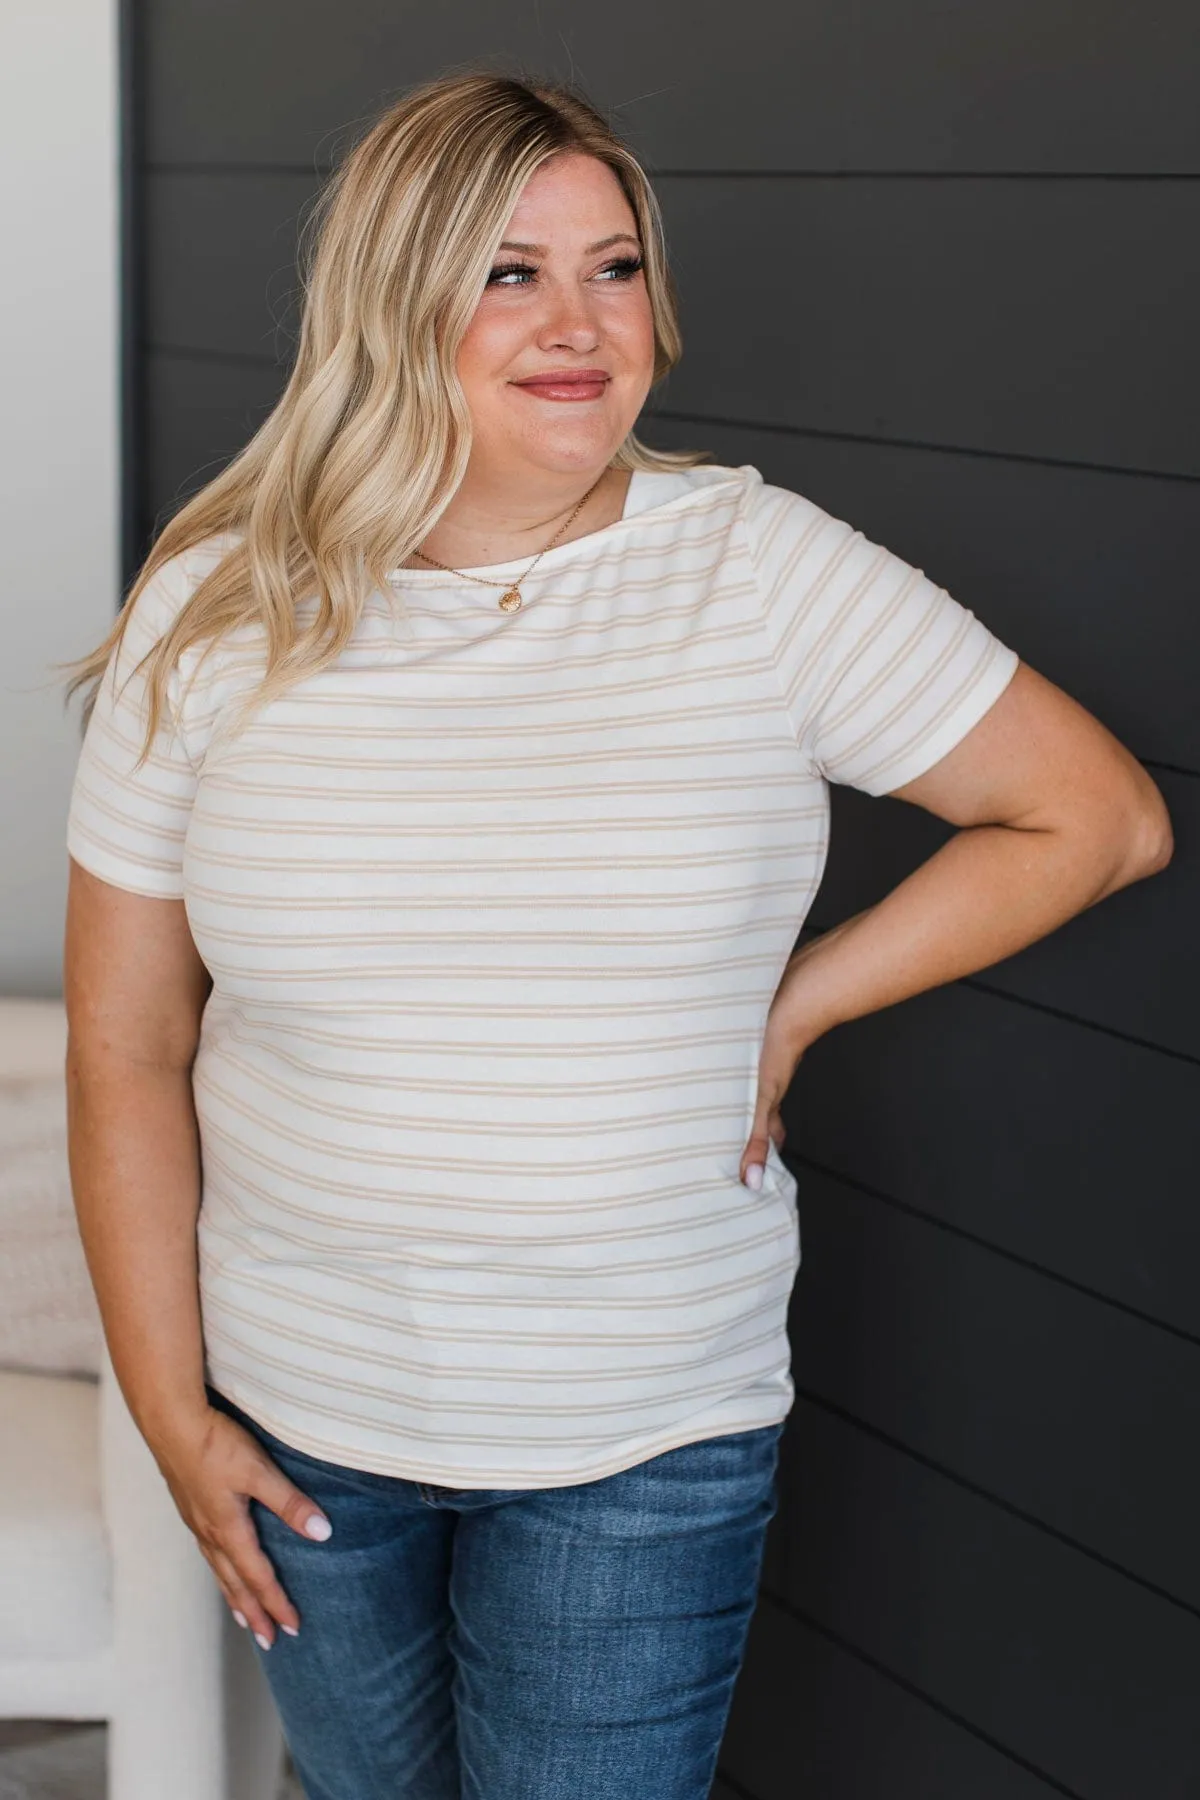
x=495, y=908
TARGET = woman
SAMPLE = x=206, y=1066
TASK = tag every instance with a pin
x=453, y=796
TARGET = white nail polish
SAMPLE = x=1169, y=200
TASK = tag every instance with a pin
x=316, y=1527
x=260, y=1637
x=241, y=1618
x=290, y=1629
x=754, y=1176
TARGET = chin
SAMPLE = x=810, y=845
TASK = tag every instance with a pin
x=562, y=452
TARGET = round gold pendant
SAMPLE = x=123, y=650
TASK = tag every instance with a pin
x=510, y=601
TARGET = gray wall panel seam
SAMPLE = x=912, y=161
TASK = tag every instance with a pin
x=910, y=1687
x=848, y=1417
x=981, y=986
x=1154, y=762
x=795, y=1158
x=862, y=437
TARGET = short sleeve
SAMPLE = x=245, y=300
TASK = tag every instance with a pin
x=883, y=673
x=127, y=824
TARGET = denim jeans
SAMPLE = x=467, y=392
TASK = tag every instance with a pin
x=564, y=1643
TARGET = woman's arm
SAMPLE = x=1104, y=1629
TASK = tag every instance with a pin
x=135, y=990
x=1055, y=815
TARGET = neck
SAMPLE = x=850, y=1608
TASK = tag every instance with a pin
x=495, y=519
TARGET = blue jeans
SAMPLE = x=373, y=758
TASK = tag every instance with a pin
x=565, y=1643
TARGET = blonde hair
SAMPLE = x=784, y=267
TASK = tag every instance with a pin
x=372, y=434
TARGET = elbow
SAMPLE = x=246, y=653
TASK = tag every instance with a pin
x=1156, y=840
x=1147, y=840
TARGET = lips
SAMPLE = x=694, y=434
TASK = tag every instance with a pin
x=566, y=384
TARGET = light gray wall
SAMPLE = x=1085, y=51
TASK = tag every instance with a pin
x=59, y=448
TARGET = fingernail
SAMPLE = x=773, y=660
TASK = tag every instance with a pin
x=261, y=1638
x=754, y=1176
x=317, y=1527
x=241, y=1618
x=290, y=1629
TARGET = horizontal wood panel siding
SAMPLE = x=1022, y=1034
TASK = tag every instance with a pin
x=1052, y=1142
x=1079, y=1671
x=222, y=274
x=1030, y=84
x=1079, y=1415
x=813, y=1720
x=198, y=413
x=1042, y=318
x=980, y=315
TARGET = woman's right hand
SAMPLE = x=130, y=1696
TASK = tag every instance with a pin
x=214, y=1467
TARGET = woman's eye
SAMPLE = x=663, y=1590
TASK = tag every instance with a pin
x=504, y=270
x=625, y=269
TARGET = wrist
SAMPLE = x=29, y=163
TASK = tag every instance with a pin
x=809, y=996
x=167, y=1420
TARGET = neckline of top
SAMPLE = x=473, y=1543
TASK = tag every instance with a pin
x=704, y=476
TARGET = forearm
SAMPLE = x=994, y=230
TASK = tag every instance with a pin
x=988, y=892
x=135, y=1173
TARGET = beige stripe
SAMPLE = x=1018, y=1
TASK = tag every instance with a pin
x=302, y=1030
x=259, y=1079
x=394, y=1361
x=526, y=1131
x=520, y=730
x=237, y=1180
x=573, y=1301
x=570, y=1407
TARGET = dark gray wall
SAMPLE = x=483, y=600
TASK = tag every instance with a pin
x=939, y=265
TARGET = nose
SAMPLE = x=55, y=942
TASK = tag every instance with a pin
x=569, y=320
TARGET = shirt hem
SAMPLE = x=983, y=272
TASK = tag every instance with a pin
x=118, y=873
x=975, y=705
x=462, y=1481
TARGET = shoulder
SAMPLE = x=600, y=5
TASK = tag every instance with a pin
x=654, y=487
x=778, y=515
x=156, y=606
x=766, y=510
x=174, y=581
x=787, y=534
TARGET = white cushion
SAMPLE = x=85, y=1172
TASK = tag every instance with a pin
x=55, y=1570
x=33, y=1037
x=49, y=1319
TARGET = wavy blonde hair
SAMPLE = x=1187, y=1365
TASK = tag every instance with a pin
x=372, y=434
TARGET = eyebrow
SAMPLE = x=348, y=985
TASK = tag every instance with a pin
x=618, y=237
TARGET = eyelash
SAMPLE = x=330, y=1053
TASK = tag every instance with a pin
x=626, y=268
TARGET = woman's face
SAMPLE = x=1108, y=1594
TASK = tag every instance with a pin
x=566, y=298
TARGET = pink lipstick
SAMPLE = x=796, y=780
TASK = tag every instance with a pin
x=566, y=384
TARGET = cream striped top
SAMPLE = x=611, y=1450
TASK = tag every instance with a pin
x=495, y=908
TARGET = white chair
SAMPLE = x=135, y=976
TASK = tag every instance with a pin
x=108, y=1610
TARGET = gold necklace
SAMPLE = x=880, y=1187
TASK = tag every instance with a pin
x=510, y=599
